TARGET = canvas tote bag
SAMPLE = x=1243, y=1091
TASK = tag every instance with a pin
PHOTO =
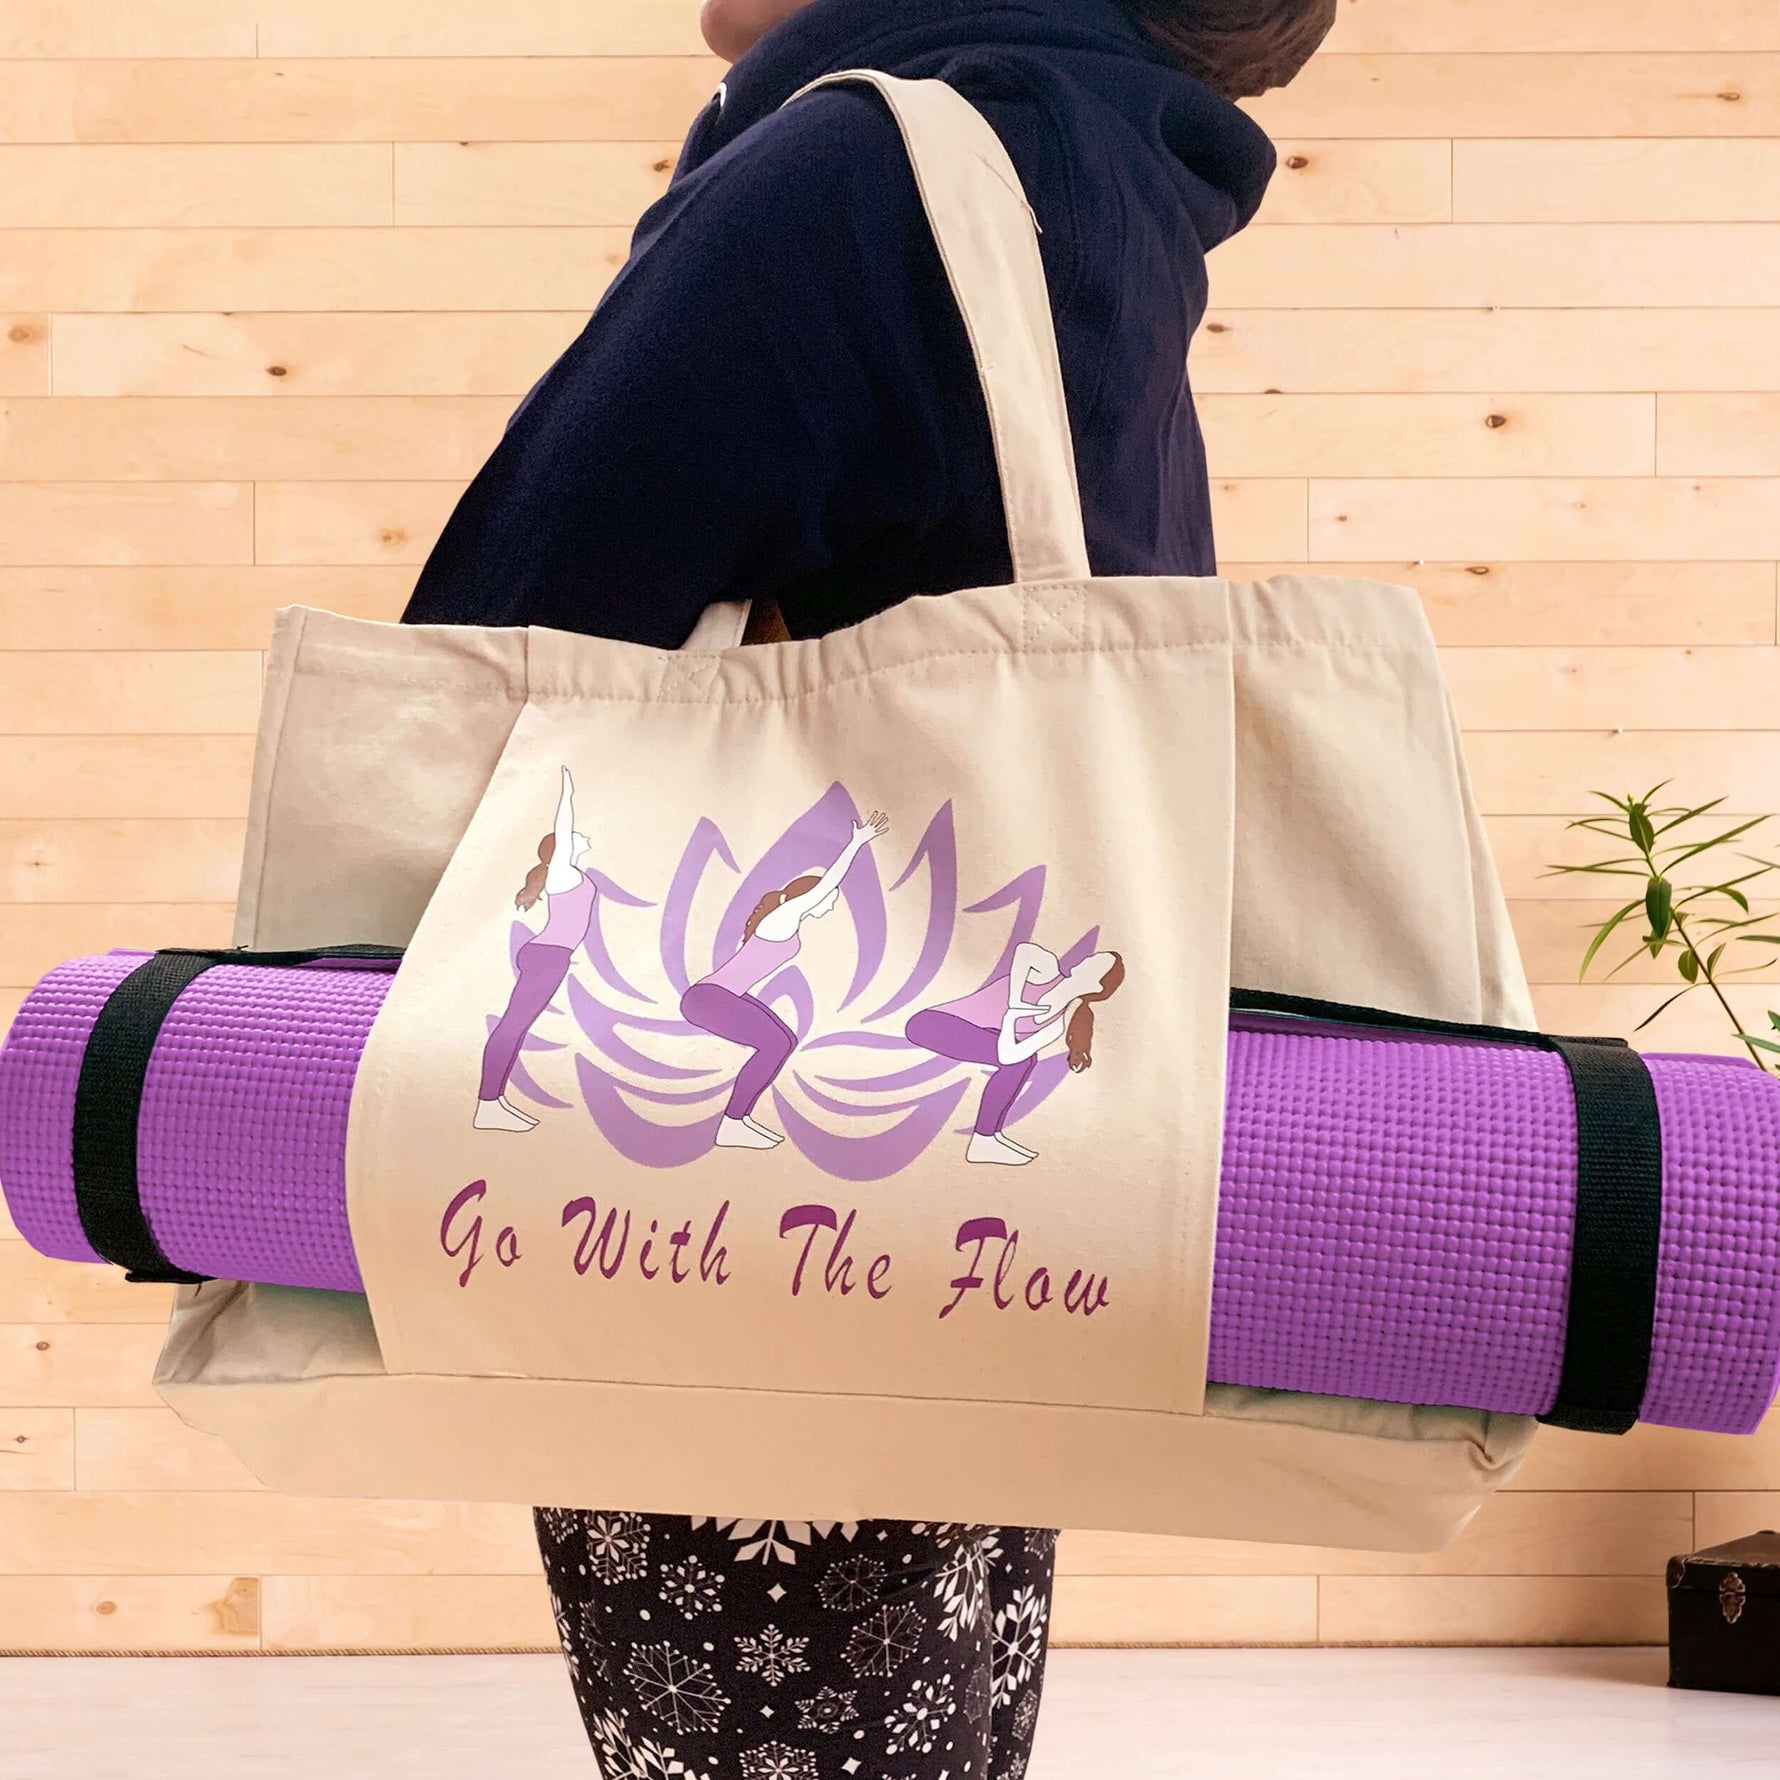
x=730, y=1175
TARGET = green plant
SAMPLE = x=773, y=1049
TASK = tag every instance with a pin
x=1687, y=919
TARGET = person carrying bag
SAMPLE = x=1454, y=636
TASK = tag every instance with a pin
x=801, y=1095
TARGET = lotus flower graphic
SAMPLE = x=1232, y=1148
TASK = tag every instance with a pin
x=855, y=1097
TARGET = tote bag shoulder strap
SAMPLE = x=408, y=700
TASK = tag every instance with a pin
x=988, y=241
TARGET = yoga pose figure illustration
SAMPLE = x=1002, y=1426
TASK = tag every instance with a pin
x=1007, y=1023
x=543, y=962
x=723, y=1003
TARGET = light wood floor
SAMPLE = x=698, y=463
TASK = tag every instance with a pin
x=1204, y=1714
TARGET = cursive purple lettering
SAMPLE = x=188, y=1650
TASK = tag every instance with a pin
x=506, y=1242
x=1083, y=1296
x=837, y=1267
x=713, y=1261
x=601, y=1249
x=1085, y=1293
x=981, y=1231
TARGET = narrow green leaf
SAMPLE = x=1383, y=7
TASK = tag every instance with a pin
x=1699, y=809
x=1683, y=854
x=1661, y=1010
x=1612, y=868
x=1604, y=934
x=1659, y=907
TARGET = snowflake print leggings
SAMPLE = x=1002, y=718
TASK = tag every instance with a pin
x=796, y=1650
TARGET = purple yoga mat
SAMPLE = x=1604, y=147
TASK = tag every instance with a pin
x=1394, y=1223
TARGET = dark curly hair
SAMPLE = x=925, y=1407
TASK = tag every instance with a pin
x=1240, y=47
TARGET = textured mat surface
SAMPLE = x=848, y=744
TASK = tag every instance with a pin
x=1395, y=1216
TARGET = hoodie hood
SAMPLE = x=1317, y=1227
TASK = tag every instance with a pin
x=1219, y=157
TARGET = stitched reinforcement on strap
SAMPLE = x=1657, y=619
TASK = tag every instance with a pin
x=1611, y=1314
x=108, y=1097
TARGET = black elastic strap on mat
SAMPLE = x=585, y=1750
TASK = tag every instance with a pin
x=1619, y=1204
x=108, y=1099
x=1619, y=1218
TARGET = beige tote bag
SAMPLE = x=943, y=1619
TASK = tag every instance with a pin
x=778, y=1157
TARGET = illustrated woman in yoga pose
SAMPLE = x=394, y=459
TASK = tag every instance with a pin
x=1007, y=1023
x=543, y=961
x=723, y=1002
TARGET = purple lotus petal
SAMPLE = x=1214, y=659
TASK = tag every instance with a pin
x=852, y=1109
x=1027, y=892
x=596, y=1020
x=610, y=890
x=633, y=1136
x=531, y=1042
x=522, y=1079
x=707, y=843
x=599, y=953
x=666, y=1096
x=1083, y=948
x=601, y=1024
x=929, y=1071
x=878, y=1156
x=939, y=851
x=866, y=1041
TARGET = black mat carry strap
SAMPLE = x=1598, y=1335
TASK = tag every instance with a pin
x=108, y=1098
x=1619, y=1196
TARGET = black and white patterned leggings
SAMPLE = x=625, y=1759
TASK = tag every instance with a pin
x=796, y=1650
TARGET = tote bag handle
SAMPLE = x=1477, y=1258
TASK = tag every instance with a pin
x=987, y=237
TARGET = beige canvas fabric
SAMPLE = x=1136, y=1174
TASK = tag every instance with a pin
x=1217, y=781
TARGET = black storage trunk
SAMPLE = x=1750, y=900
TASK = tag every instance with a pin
x=1724, y=1617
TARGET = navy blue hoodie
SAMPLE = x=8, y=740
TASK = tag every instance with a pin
x=776, y=398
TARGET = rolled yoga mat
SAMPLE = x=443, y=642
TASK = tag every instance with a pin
x=1397, y=1212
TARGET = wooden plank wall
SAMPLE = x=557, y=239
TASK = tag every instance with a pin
x=271, y=277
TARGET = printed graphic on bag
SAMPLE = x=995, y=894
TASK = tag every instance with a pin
x=758, y=1037
x=642, y=1067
